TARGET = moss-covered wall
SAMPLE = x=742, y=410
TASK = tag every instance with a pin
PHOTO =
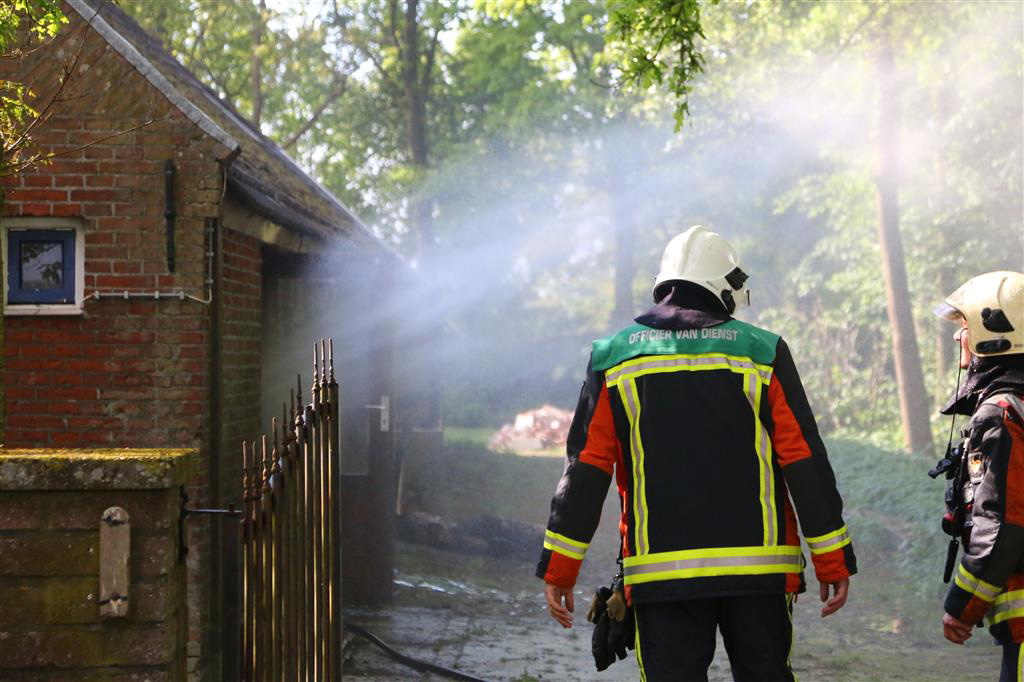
x=51, y=502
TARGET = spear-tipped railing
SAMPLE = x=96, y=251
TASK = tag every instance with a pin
x=291, y=548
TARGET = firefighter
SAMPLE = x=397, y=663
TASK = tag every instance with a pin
x=990, y=576
x=703, y=422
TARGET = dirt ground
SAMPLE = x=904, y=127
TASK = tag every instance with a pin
x=487, y=618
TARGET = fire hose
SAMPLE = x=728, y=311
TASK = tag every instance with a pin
x=413, y=663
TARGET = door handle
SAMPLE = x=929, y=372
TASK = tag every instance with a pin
x=385, y=412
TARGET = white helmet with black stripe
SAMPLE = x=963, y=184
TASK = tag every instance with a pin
x=706, y=259
x=993, y=307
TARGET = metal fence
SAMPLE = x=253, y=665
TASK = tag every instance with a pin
x=290, y=539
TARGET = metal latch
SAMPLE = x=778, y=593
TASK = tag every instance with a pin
x=385, y=412
x=115, y=543
x=185, y=511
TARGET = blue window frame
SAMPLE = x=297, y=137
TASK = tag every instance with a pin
x=40, y=266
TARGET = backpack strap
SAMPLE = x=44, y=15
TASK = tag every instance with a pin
x=1008, y=400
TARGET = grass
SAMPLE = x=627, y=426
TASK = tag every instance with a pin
x=468, y=479
x=893, y=511
x=468, y=435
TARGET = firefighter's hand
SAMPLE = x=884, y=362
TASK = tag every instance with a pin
x=555, y=596
x=839, y=590
x=955, y=630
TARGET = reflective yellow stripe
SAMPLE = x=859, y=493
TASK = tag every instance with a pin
x=624, y=375
x=631, y=401
x=975, y=586
x=827, y=536
x=829, y=542
x=793, y=635
x=711, y=553
x=702, y=563
x=1007, y=605
x=1011, y=595
x=564, y=545
x=1008, y=614
x=762, y=446
x=652, y=364
x=636, y=646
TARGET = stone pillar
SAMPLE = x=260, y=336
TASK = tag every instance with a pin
x=51, y=505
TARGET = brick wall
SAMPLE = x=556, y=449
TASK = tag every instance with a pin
x=123, y=373
x=241, y=325
x=130, y=373
x=50, y=509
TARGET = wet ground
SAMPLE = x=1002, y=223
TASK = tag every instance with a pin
x=487, y=618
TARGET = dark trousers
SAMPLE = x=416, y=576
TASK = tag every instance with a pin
x=676, y=640
x=1011, y=670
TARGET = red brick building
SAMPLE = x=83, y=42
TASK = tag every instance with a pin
x=157, y=265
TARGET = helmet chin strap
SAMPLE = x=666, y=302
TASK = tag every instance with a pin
x=735, y=279
x=952, y=420
x=729, y=301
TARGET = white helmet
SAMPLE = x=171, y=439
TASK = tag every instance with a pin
x=707, y=259
x=993, y=306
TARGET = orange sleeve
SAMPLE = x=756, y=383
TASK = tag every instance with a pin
x=602, y=448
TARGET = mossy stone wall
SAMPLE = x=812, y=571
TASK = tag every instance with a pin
x=51, y=502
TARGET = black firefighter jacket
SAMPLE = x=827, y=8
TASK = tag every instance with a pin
x=707, y=430
x=990, y=577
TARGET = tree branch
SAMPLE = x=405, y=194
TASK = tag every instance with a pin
x=228, y=94
x=256, y=65
x=199, y=39
x=42, y=158
x=332, y=96
x=431, y=52
x=875, y=6
x=44, y=114
x=393, y=13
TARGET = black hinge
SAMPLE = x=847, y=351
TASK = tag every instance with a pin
x=185, y=511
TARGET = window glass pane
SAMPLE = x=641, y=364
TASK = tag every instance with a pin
x=42, y=265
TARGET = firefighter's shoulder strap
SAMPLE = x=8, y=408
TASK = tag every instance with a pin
x=1007, y=397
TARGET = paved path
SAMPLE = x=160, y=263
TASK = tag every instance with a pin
x=487, y=618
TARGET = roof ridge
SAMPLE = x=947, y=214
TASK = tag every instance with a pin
x=145, y=67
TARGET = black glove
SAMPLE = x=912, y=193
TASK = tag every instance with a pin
x=611, y=637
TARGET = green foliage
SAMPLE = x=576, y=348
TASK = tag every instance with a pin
x=894, y=511
x=659, y=36
x=40, y=18
x=24, y=25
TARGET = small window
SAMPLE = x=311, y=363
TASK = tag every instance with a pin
x=43, y=267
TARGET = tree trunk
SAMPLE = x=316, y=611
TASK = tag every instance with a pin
x=944, y=344
x=421, y=217
x=914, y=402
x=420, y=207
x=623, y=267
x=617, y=183
x=624, y=310
x=256, y=64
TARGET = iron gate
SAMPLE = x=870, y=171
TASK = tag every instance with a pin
x=290, y=539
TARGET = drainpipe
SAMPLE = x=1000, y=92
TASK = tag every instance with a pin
x=169, y=213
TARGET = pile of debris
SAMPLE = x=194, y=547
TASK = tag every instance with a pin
x=485, y=535
x=543, y=428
